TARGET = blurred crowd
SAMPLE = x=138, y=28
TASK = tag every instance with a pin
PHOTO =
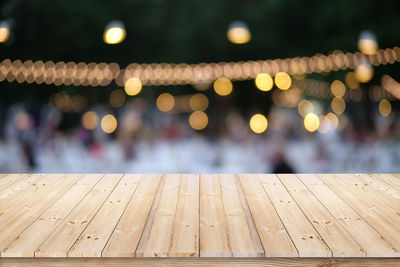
x=39, y=141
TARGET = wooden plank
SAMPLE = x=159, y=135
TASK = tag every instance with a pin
x=125, y=238
x=372, y=242
x=273, y=235
x=214, y=236
x=360, y=201
x=203, y=262
x=374, y=185
x=242, y=234
x=157, y=235
x=340, y=242
x=92, y=241
x=9, y=179
x=28, y=241
x=308, y=242
x=185, y=234
x=390, y=179
x=32, y=206
x=25, y=185
x=62, y=239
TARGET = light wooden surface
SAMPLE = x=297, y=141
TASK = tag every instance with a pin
x=273, y=220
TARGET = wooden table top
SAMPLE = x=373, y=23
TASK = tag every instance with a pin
x=200, y=216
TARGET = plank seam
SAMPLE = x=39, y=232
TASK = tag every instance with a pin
x=19, y=179
x=89, y=221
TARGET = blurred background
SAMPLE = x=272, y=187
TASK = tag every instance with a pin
x=199, y=86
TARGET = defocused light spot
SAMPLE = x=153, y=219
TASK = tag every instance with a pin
x=114, y=33
x=198, y=102
x=202, y=86
x=198, y=120
x=165, y=102
x=133, y=86
x=338, y=89
x=364, y=73
x=90, y=120
x=264, y=82
x=338, y=105
x=351, y=80
x=223, y=86
x=343, y=122
x=4, y=31
x=367, y=43
x=324, y=125
x=258, y=123
x=22, y=121
x=108, y=123
x=305, y=107
x=311, y=122
x=385, y=108
x=238, y=33
x=283, y=80
x=334, y=120
x=117, y=98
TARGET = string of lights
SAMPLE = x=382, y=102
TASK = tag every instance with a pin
x=102, y=74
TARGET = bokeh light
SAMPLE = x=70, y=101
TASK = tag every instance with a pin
x=367, y=43
x=223, y=86
x=283, y=80
x=334, y=120
x=311, y=122
x=264, y=82
x=238, y=33
x=198, y=120
x=364, y=73
x=4, y=31
x=324, y=124
x=305, y=107
x=133, y=86
x=198, y=102
x=338, y=89
x=258, y=123
x=165, y=102
x=338, y=105
x=90, y=120
x=351, y=80
x=385, y=108
x=114, y=33
x=117, y=98
x=108, y=123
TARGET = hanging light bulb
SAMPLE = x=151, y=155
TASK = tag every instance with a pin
x=114, y=32
x=4, y=31
x=367, y=43
x=238, y=33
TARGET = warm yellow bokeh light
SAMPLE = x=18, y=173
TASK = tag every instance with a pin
x=117, y=98
x=364, y=73
x=283, y=80
x=367, y=46
x=264, y=82
x=385, y=108
x=108, y=123
x=338, y=89
x=4, y=34
x=198, y=120
x=90, y=120
x=165, y=102
x=238, y=34
x=305, y=107
x=334, y=120
x=223, y=86
x=198, y=102
x=351, y=80
x=133, y=86
x=338, y=105
x=258, y=123
x=114, y=35
x=311, y=122
x=324, y=124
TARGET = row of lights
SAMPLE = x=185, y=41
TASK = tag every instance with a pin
x=101, y=74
